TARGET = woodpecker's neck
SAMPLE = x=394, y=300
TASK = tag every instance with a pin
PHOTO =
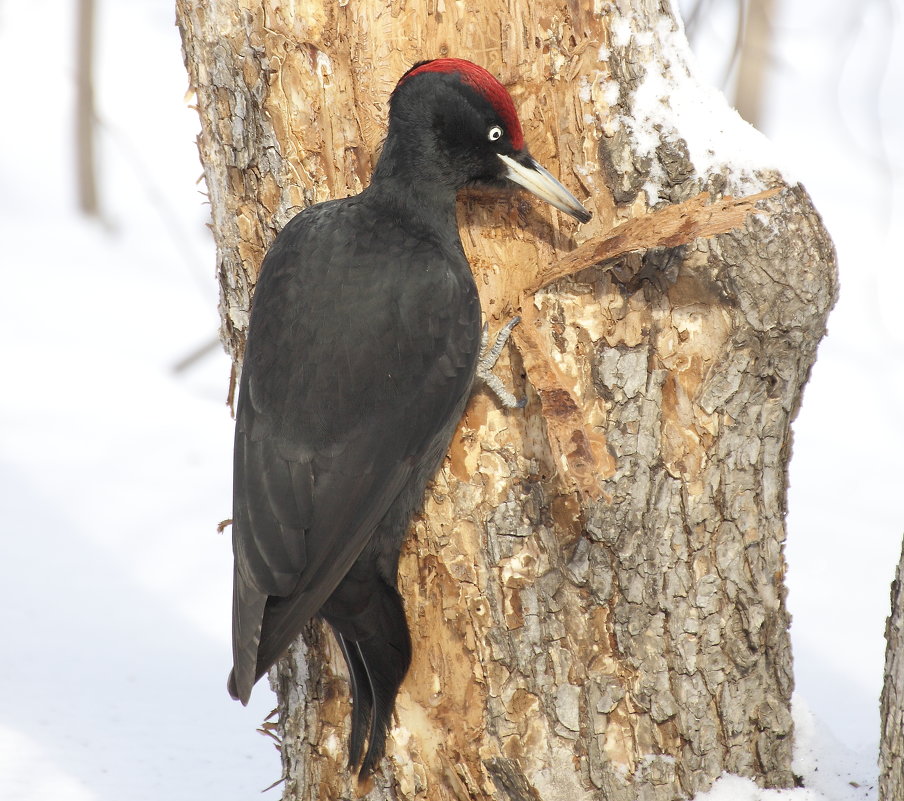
x=411, y=182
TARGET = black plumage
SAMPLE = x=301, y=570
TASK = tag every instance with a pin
x=361, y=354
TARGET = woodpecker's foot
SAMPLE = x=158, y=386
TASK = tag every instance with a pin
x=487, y=361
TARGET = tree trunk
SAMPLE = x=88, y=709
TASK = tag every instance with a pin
x=595, y=587
x=891, y=744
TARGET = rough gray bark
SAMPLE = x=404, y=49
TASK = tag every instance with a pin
x=891, y=745
x=596, y=583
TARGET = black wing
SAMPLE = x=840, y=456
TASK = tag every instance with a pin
x=360, y=355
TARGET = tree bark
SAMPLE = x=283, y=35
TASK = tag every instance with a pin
x=595, y=586
x=891, y=744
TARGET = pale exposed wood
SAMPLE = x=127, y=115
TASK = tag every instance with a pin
x=596, y=583
x=579, y=457
x=891, y=744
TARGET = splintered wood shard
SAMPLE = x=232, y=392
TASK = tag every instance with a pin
x=670, y=227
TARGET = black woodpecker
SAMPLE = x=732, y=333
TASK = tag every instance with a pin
x=364, y=342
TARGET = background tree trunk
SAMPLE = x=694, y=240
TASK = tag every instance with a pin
x=85, y=115
x=595, y=588
x=754, y=58
x=891, y=744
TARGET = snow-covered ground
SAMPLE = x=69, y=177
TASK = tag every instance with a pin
x=115, y=467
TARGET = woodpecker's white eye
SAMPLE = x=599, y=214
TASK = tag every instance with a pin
x=494, y=133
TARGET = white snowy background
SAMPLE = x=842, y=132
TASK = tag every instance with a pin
x=115, y=465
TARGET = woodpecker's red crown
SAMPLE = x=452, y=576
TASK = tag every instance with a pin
x=483, y=82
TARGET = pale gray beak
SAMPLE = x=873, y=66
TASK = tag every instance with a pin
x=541, y=182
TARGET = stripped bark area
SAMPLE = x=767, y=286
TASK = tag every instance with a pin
x=595, y=586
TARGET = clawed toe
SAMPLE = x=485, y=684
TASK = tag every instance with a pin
x=488, y=358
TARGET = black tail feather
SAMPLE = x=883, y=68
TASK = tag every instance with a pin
x=386, y=662
x=377, y=649
x=362, y=699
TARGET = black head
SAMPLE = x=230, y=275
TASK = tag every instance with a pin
x=452, y=123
